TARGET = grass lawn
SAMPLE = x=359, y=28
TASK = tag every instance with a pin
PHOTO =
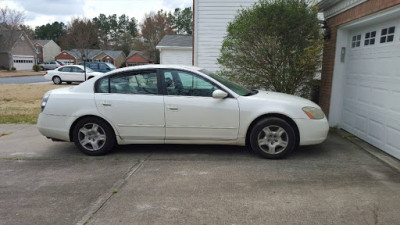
x=20, y=103
x=4, y=73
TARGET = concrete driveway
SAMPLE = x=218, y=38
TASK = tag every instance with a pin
x=44, y=182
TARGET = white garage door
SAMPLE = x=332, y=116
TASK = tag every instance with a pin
x=371, y=104
x=23, y=62
x=175, y=56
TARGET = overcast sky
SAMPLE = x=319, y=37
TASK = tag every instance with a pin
x=40, y=12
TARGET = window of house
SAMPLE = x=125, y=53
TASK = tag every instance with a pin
x=37, y=50
x=370, y=38
x=387, y=35
x=356, y=41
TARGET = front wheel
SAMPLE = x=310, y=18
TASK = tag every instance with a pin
x=57, y=80
x=94, y=136
x=273, y=138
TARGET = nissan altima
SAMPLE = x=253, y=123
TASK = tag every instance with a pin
x=160, y=104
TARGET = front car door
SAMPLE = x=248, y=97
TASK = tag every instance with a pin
x=192, y=114
x=65, y=73
x=134, y=103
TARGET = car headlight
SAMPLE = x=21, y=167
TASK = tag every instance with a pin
x=314, y=113
x=44, y=100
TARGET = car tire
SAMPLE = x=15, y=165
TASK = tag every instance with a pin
x=94, y=136
x=273, y=138
x=57, y=80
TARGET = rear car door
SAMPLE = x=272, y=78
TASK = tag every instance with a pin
x=134, y=103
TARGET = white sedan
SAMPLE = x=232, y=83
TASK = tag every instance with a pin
x=69, y=74
x=159, y=104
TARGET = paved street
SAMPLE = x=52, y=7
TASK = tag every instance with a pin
x=22, y=80
x=45, y=182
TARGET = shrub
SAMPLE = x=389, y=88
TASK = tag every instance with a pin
x=275, y=45
x=13, y=68
x=36, y=68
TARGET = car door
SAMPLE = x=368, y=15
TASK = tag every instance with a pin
x=77, y=74
x=65, y=73
x=53, y=65
x=134, y=103
x=191, y=113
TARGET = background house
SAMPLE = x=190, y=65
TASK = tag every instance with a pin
x=211, y=18
x=17, y=45
x=74, y=56
x=114, y=57
x=176, y=49
x=136, y=58
x=46, y=50
x=360, y=83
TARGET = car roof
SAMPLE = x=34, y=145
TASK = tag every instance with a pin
x=159, y=66
x=79, y=66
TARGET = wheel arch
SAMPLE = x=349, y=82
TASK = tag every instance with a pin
x=71, y=129
x=270, y=115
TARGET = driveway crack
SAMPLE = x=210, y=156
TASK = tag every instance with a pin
x=104, y=198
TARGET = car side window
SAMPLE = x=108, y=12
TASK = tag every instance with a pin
x=52, y=62
x=135, y=82
x=77, y=70
x=102, y=85
x=66, y=69
x=187, y=84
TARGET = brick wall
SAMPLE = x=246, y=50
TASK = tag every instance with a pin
x=364, y=9
x=136, y=59
x=65, y=56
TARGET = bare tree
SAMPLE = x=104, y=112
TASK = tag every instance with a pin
x=81, y=35
x=10, y=21
x=153, y=28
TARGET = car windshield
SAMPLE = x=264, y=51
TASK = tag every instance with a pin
x=242, y=91
x=111, y=66
x=88, y=70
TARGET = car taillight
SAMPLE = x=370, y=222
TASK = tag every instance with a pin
x=46, y=72
x=44, y=100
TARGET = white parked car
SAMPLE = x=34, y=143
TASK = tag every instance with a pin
x=159, y=104
x=71, y=73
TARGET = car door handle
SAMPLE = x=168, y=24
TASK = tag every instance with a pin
x=106, y=104
x=173, y=108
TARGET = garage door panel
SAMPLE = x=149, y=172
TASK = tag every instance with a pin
x=394, y=99
x=393, y=139
x=377, y=131
x=371, y=103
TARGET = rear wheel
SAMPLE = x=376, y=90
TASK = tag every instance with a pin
x=273, y=138
x=57, y=80
x=94, y=136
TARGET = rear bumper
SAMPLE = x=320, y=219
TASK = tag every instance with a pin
x=56, y=127
x=312, y=131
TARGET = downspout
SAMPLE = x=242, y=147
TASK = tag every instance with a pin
x=193, y=34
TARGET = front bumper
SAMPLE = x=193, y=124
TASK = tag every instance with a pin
x=312, y=131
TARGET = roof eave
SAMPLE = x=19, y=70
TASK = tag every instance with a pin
x=326, y=4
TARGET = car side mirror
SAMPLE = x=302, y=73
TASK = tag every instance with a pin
x=219, y=94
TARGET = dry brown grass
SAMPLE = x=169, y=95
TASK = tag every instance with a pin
x=20, y=103
x=4, y=73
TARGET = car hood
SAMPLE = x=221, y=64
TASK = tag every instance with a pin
x=283, y=98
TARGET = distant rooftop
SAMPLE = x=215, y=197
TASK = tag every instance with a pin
x=176, y=40
x=41, y=42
